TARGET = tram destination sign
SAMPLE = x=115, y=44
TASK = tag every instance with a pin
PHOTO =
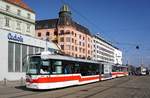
x=15, y=37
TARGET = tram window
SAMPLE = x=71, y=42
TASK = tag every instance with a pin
x=33, y=66
x=45, y=64
x=88, y=69
x=56, y=67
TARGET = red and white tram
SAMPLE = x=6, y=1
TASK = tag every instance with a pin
x=119, y=71
x=47, y=71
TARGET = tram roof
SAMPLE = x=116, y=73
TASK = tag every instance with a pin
x=67, y=58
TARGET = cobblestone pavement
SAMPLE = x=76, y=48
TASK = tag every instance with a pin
x=125, y=87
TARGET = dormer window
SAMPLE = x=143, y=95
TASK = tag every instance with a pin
x=29, y=16
x=19, y=12
x=7, y=8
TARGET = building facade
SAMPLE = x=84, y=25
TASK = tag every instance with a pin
x=17, y=28
x=74, y=39
x=105, y=51
x=16, y=16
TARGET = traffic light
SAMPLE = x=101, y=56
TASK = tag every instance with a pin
x=137, y=47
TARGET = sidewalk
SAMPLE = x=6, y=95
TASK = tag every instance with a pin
x=8, y=84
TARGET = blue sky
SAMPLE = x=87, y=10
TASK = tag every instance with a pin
x=126, y=23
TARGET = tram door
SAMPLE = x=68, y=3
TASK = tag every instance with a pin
x=107, y=69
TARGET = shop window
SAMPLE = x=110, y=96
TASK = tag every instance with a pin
x=10, y=56
x=17, y=57
x=30, y=50
x=24, y=58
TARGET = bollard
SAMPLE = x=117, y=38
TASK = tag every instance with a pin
x=5, y=81
x=21, y=81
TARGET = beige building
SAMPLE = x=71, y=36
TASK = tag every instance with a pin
x=17, y=17
x=73, y=38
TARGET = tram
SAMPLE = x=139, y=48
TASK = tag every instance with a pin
x=49, y=71
x=119, y=71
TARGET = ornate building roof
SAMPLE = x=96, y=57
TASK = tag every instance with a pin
x=64, y=19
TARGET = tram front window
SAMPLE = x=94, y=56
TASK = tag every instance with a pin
x=44, y=69
x=33, y=65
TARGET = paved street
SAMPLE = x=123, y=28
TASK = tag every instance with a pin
x=125, y=87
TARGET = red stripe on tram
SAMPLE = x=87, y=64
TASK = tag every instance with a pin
x=62, y=79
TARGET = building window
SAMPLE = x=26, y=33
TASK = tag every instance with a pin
x=62, y=47
x=29, y=16
x=73, y=48
x=28, y=27
x=72, y=33
x=18, y=25
x=39, y=34
x=80, y=49
x=83, y=38
x=83, y=44
x=62, y=39
x=67, y=39
x=80, y=43
x=61, y=32
x=76, y=48
x=80, y=36
x=72, y=40
x=67, y=32
x=83, y=50
x=7, y=22
x=75, y=34
x=19, y=12
x=88, y=45
x=67, y=47
x=47, y=34
x=7, y=8
x=88, y=51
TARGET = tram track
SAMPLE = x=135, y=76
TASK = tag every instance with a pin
x=93, y=87
x=101, y=91
x=47, y=94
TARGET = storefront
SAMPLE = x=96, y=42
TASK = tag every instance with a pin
x=14, y=49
